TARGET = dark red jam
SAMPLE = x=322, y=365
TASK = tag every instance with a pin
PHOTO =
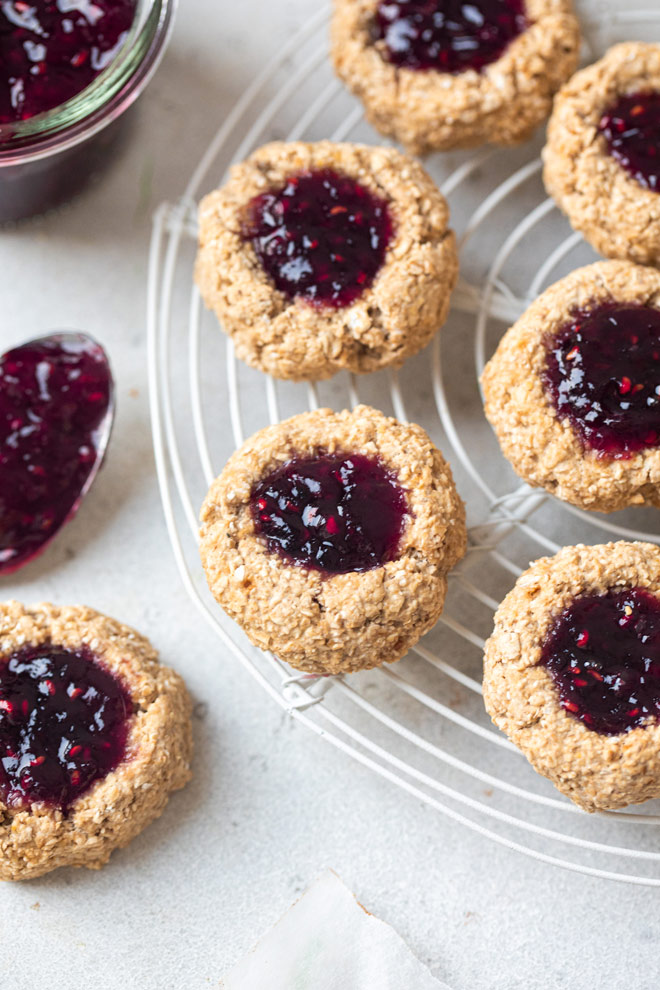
x=632, y=131
x=322, y=237
x=447, y=35
x=603, y=375
x=334, y=513
x=55, y=397
x=604, y=656
x=50, y=50
x=63, y=725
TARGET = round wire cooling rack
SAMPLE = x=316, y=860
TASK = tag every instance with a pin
x=421, y=724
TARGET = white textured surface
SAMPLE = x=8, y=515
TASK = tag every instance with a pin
x=271, y=806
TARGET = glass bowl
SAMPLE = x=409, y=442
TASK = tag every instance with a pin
x=49, y=157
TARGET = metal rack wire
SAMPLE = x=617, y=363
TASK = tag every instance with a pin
x=419, y=724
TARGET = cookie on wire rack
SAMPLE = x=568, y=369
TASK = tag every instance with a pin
x=94, y=736
x=573, y=390
x=572, y=672
x=318, y=258
x=329, y=537
x=601, y=161
x=442, y=75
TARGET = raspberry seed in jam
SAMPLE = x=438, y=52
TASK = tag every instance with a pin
x=322, y=237
x=603, y=375
x=631, y=129
x=603, y=655
x=50, y=50
x=63, y=725
x=333, y=513
x=56, y=406
x=447, y=35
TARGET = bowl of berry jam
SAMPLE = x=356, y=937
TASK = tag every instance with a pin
x=69, y=71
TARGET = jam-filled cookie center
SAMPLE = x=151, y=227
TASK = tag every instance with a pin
x=603, y=654
x=50, y=50
x=54, y=398
x=332, y=513
x=322, y=237
x=603, y=375
x=63, y=725
x=631, y=128
x=447, y=35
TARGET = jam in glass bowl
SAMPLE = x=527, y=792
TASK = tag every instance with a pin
x=68, y=73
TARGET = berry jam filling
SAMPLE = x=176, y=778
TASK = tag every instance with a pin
x=603, y=375
x=447, y=35
x=55, y=397
x=333, y=513
x=50, y=50
x=632, y=131
x=604, y=657
x=63, y=725
x=321, y=238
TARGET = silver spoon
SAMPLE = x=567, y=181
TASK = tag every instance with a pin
x=57, y=405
